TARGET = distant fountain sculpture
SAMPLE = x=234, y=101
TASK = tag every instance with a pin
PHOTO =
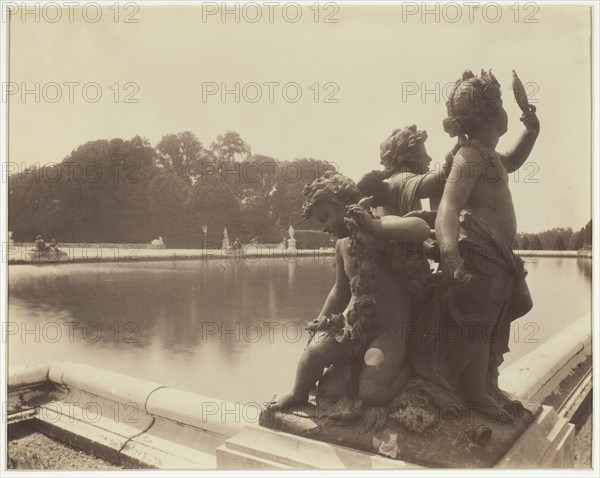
x=225, y=242
x=157, y=243
x=291, y=243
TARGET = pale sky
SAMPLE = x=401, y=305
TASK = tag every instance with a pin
x=371, y=55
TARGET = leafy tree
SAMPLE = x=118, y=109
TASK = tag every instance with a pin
x=215, y=206
x=559, y=244
x=182, y=154
x=230, y=146
x=587, y=235
x=535, y=243
x=169, y=200
x=23, y=203
x=576, y=241
x=522, y=242
x=580, y=239
x=550, y=239
x=100, y=187
x=290, y=180
x=254, y=192
x=126, y=191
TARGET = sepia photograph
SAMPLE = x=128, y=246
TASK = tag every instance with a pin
x=317, y=237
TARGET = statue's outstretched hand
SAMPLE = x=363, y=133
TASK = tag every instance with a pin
x=362, y=218
x=531, y=121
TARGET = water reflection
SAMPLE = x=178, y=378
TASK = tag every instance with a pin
x=585, y=264
x=230, y=330
x=291, y=275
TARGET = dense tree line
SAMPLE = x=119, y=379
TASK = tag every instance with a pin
x=557, y=239
x=128, y=191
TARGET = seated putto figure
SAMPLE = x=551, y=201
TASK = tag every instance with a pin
x=365, y=313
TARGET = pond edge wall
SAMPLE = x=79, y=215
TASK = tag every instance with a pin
x=139, y=423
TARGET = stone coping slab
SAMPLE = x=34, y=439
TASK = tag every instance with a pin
x=130, y=254
x=526, y=376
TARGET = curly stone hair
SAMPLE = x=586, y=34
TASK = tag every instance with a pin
x=397, y=148
x=470, y=98
x=332, y=186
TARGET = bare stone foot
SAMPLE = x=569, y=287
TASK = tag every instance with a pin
x=516, y=409
x=287, y=400
x=497, y=393
x=501, y=396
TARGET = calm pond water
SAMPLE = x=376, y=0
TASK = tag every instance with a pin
x=228, y=330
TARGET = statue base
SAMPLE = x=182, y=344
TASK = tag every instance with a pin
x=469, y=441
x=291, y=247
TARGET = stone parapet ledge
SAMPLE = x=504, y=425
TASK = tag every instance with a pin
x=542, y=253
x=146, y=424
x=27, y=375
x=130, y=254
x=213, y=415
x=113, y=386
x=95, y=253
x=525, y=377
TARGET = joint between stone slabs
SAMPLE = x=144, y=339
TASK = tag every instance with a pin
x=136, y=435
x=148, y=398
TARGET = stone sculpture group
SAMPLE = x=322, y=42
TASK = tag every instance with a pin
x=401, y=356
